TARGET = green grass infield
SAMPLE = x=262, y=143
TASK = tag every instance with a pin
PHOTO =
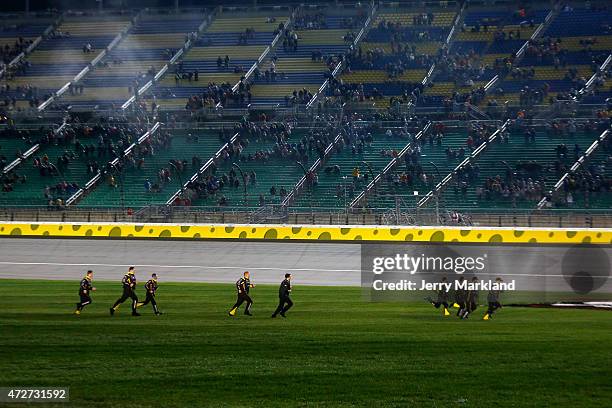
x=332, y=350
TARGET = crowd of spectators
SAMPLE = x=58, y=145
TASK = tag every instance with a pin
x=9, y=95
x=462, y=68
x=590, y=182
x=8, y=52
x=82, y=145
x=318, y=20
x=298, y=97
x=214, y=94
x=212, y=186
x=547, y=50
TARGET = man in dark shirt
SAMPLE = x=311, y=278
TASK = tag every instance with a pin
x=284, y=301
x=129, y=291
x=493, y=299
x=472, y=300
x=84, y=290
x=460, y=298
x=442, y=299
x=151, y=288
x=243, y=285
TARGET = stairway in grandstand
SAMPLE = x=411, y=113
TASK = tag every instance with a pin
x=60, y=56
x=574, y=29
x=221, y=39
x=433, y=159
x=424, y=39
x=183, y=148
x=502, y=157
x=599, y=163
x=477, y=38
x=297, y=70
x=275, y=172
x=330, y=189
x=149, y=45
x=31, y=191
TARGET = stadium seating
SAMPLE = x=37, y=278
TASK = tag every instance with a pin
x=14, y=30
x=296, y=69
x=150, y=44
x=12, y=147
x=432, y=152
x=424, y=40
x=330, y=192
x=581, y=50
x=486, y=40
x=183, y=148
x=500, y=156
x=491, y=37
x=28, y=189
x=221, y=39
x=275, y=172
x=600, y=163
x=60, y=56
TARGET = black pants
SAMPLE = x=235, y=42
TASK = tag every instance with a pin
x=284, y=304
x=438, y=304
x=472, y=305
x=493, y=306
x=461, y=304
x=243, y=297
x=85, y=300
x=127, y=293
x=150, y=298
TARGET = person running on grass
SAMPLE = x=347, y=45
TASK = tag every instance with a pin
x=442, y=299
x=284, y=301
x=84, y=292
x=472, y=299
x=129, y=291
x=151, y=288
x=243, y=285
x=493, y=299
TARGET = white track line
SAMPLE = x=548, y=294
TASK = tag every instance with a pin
x=535, y=275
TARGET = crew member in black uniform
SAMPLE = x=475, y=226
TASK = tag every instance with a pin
x=460, y=298
x=129, y=291
x=151, y=288
x=84, y=290
x=242, y=287
x=442, y=299
x=493, y=299
x=472, y=300
x=284, y=301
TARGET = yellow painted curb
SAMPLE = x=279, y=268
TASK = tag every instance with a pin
x=307, y=232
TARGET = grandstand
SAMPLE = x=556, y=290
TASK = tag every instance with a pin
x=354, y=149
x=338, y=109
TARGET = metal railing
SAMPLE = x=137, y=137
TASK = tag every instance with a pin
x=338, y=69
x=315, y=216
x=34, y=44
x=202, y=169
x=471, y=158
x=29, y=152
x=186, y=46
x=287, y=25
x=390, y=166
x=113, y=163
x=295, y=191
x=92, y=64
x=581, y=160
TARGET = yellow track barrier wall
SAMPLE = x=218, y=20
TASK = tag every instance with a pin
x=308, y=233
